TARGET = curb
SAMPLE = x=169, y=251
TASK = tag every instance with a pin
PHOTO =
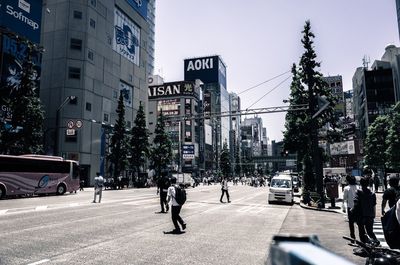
x=304, y=206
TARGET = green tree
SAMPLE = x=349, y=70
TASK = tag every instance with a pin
x=301, y=130
x=139, y=143
x=119, y=142
x=393, y=140
x=225, y=161
x=24, y=133
x=161, y=150
x=376, y=143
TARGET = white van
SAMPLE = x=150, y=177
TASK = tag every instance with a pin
x=281, y=189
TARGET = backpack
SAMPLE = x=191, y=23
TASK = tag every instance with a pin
x=180, y=195
x=391, y=228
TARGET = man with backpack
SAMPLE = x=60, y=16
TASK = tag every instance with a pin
x=98, y=186
x=176, y=196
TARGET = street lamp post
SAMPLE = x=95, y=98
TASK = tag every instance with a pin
x=56, y=138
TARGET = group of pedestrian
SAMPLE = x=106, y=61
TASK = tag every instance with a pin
x=361, y=205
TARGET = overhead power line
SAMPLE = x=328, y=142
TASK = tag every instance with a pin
x=275, y=87
x=250, y=88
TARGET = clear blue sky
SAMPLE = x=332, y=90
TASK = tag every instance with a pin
x=259, y=39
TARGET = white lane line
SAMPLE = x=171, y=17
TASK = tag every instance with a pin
x=39, y=262
x=41, y=208
x=3, y=211
x=73, y=204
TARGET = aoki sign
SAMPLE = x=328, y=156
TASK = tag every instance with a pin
x=200, y=64
x=127, y=37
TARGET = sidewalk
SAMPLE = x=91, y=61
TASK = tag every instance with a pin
x=338, y=203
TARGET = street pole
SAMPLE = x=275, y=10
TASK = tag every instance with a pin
x=57, y=133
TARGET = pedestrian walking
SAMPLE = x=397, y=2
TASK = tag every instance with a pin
x=81, y=185
x=364, y=212
x=224, y=189
x=392, y=194
x=349, y=194
x=162, y=188
x=175, y=194
x=98, y=186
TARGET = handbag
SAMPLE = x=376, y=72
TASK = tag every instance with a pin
x=391, y=228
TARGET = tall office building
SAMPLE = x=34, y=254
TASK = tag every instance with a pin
x=212, y=72
x=335, y=83
x=94, y=51
x=176, y=100
x=235, y=122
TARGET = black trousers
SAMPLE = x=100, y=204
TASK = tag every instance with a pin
x=176, y=218
x=366, y=226
x=351, y=218
x=222, y=195
x=163, y=201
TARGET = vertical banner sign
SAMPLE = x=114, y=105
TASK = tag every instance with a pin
x=126, y=37
x=126, y=91
x=22, y=17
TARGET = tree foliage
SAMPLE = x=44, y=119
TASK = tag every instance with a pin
x=376, y=142
x=119, y=142
x=139, y=143
x=225, y=161
x=161, y=150
x=24, y=133
x=393, y=140
x=301, y=130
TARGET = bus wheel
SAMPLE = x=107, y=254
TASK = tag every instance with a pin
x=61, y=189
x=2, y=192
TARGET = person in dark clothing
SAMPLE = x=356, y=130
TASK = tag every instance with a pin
x=81, y=184
x=162, y=189
x=392, y=194
x=364, y=211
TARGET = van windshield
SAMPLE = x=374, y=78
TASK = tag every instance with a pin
x=281, y=183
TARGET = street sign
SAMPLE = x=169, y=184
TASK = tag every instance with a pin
x=322, y=105
x=79, y=124
x=70, y=124
x=70, y=132
x=188, y=151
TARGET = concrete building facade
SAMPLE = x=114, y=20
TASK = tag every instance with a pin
x=94, y=50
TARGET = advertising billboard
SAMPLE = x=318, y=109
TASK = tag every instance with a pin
x=126, y=37
x=22, y=17
x=169, y=107
x=126, y=91
x=343, y=148
x=172, y=89
x=140, y=6
x=188, y=151
x=13, y=56
x=207, y=69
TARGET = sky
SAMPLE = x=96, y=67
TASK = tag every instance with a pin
x=261, y=39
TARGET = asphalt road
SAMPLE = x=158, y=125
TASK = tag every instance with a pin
x=125, y=228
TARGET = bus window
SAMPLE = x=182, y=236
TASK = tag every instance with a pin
x=75, y=171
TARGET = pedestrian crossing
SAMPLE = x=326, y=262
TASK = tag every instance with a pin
x=378, y=230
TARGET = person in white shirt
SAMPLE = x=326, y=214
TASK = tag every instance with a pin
x=224, y=189
x=98, y=186
x=348, y=197
x=175, y=208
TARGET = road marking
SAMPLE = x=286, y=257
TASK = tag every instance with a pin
x=41, y=208
x=39, y=262
x=3, y=211
x=73, y=204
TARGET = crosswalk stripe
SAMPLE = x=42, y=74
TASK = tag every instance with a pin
x=378, y=231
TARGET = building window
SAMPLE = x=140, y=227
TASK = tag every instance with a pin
x=92, y=23
x=93, y=3
x=88, y=106
x=74, y=73
x=76, y=44
x=115, y=94
x=77, y=14
x=128, y=124
x=90, y=55
x=105, y=117
x=130, y=78
x=151, y=123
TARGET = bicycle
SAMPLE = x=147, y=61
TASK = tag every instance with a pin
x=375, y=255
